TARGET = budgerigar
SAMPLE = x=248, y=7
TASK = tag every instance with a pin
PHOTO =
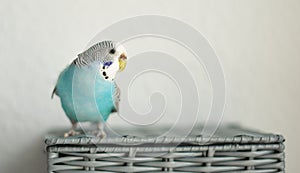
x=87, y=89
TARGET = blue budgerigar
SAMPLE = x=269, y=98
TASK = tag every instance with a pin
x=86, y=87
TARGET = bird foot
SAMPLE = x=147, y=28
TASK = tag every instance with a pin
x=71, y=133
x=100, y=133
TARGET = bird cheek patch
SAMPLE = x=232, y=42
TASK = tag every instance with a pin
x=107, y=64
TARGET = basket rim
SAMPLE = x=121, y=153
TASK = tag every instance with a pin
x=116, y=149
x=230, y=134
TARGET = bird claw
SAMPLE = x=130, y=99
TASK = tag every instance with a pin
x=100, y=133
x=71, y=133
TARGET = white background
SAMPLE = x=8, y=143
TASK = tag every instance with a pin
x=257, y=43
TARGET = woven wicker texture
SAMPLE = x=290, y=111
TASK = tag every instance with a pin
x=231, y=149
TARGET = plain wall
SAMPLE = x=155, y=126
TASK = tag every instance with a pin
x=257, y=43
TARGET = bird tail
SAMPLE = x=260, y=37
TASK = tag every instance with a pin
x=53, y=92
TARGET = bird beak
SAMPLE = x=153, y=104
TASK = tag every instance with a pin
x=122, y=62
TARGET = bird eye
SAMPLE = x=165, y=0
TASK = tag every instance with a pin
x=112, y=51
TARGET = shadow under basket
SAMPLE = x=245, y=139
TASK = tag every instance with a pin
x=230, y=149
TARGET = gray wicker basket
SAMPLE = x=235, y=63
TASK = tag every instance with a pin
x=231, y=149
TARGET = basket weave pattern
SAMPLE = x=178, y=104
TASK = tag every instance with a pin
x=259, y=153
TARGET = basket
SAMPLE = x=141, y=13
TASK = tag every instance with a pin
x=231, y=149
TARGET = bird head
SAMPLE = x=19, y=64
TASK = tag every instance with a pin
x=111, y=57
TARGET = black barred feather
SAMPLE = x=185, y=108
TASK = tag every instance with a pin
x=97, y=52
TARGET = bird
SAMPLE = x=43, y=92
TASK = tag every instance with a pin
x=86, y=87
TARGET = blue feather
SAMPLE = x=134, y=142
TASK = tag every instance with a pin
x=84, y=94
